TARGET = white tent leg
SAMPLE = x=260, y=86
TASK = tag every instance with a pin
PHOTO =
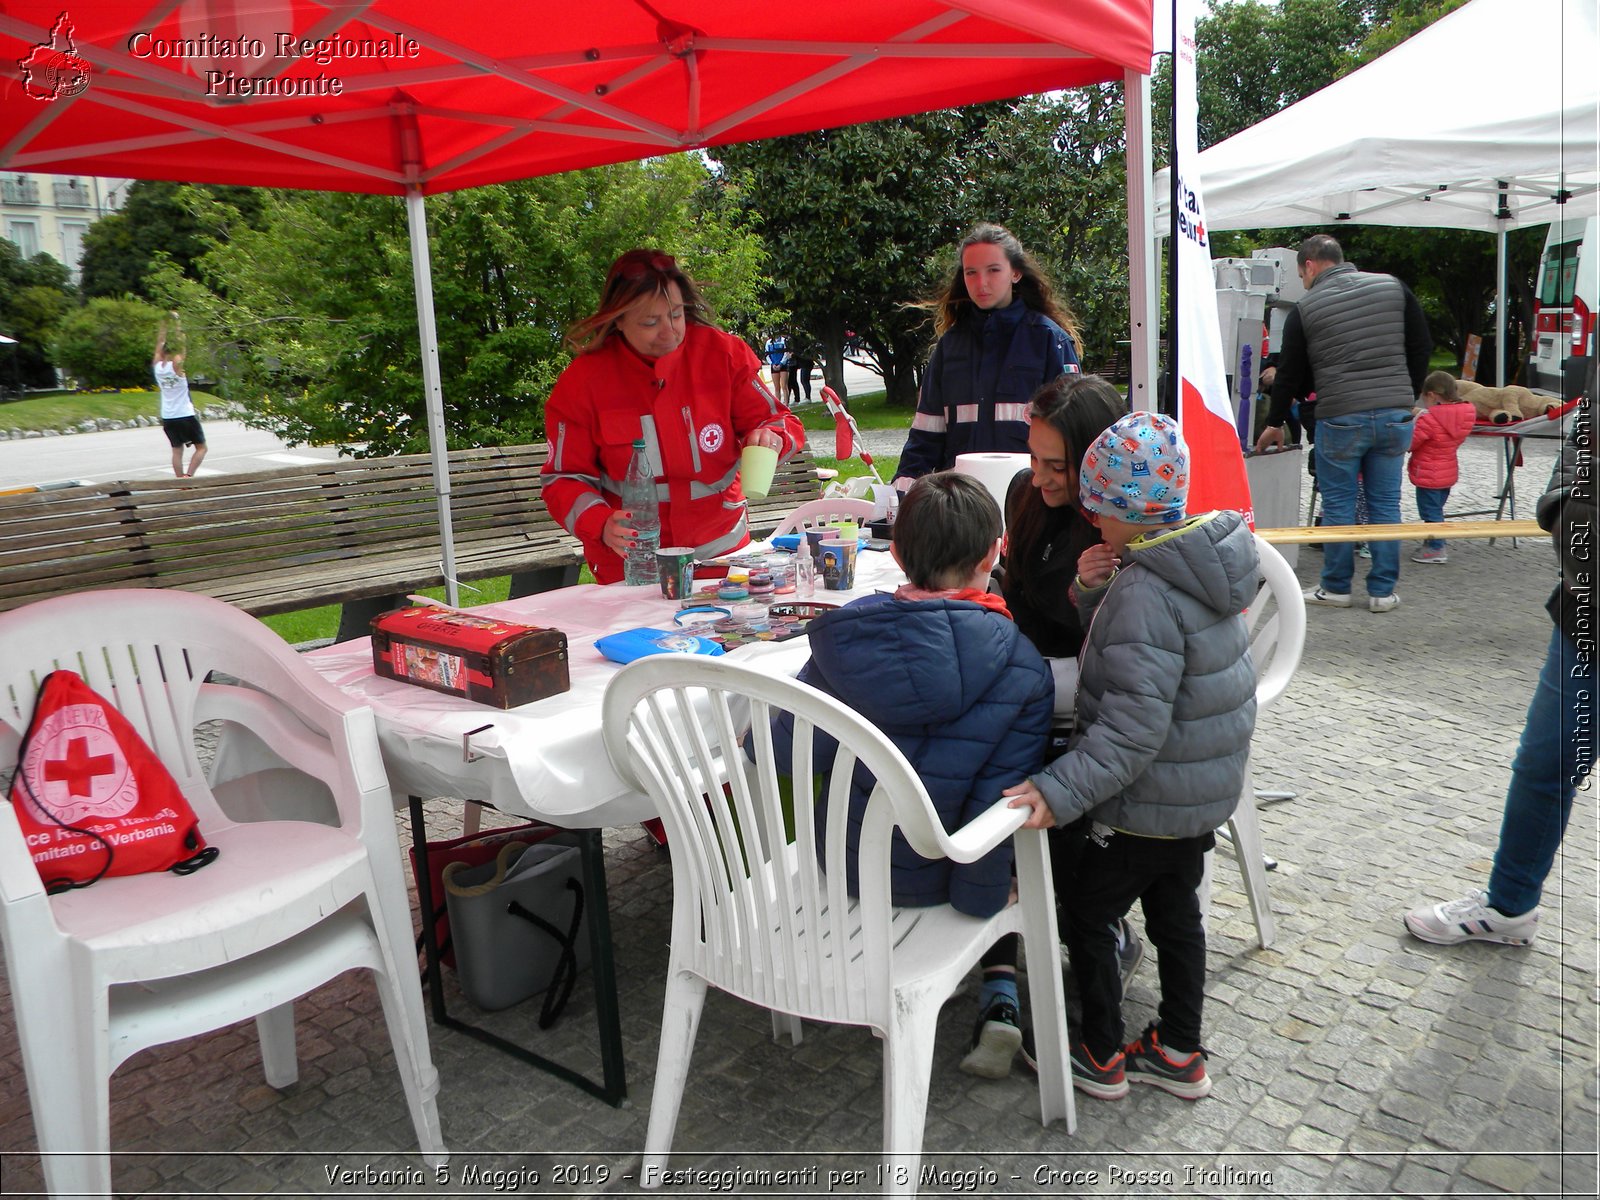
x=1142, y=296
x=433, y=395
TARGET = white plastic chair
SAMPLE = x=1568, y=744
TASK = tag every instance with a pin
x=815, y=514
x=767, y=925
x=1276, y=621
x=131, y=962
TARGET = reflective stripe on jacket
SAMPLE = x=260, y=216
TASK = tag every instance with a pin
x=693, y=408
x=976, y=389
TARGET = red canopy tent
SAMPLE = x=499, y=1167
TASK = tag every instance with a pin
x=408, y=97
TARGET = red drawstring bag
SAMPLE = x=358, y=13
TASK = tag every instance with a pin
x=92, y=799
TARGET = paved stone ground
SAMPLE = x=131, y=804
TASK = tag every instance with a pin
x=1349, y=1059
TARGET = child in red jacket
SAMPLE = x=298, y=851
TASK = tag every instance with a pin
x=1441, y=427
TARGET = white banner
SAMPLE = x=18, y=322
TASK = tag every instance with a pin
x=1217, y=477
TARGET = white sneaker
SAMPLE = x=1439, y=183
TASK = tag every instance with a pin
x=1470, y=919
x=1331, y=599
x=1381, y=604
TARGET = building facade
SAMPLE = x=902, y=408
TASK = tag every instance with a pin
x=49, y=214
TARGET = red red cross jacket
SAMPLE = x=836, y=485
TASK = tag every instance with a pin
x=693, y=407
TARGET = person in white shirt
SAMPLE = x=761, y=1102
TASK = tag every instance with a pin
x=178, y=417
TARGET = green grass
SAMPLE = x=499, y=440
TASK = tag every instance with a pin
x=58, y=410
x=316, y=624
x=870, y=409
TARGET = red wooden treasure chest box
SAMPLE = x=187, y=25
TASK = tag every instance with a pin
x=482, y=658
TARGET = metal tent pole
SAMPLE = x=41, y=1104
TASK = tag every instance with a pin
x=433, y=394
x=1142, y=295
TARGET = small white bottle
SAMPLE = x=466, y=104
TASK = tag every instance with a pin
x=805, y=573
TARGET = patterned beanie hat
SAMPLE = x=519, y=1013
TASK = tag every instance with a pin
x=1137, y=471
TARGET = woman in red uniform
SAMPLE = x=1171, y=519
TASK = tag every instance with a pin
x=650, y=364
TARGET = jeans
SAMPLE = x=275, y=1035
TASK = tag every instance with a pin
x=1556, y=754
x=1370, y=446
x=1430, y=507
x=1112, y=871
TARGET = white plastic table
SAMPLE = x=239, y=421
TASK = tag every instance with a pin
x=545, y=761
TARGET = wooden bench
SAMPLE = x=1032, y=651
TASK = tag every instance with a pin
x=358, y=532
x=793, y=483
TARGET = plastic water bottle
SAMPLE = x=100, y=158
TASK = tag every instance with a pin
x=639, y=498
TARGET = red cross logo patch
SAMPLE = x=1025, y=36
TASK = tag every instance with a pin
x=78, y=767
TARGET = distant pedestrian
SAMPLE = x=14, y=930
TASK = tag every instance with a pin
x=800, y=364
x=178, y=418
x=1442, y=425
x=779, y=360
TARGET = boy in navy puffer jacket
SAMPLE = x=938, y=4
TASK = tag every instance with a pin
x=941, y=668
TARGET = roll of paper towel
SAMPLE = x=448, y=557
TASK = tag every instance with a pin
x=994, y=471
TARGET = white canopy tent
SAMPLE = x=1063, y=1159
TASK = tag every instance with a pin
x=1485, y=120
x=1478, y=122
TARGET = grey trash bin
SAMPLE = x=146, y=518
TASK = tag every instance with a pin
x=519, y=925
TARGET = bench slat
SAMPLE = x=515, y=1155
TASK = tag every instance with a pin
x=298, y=536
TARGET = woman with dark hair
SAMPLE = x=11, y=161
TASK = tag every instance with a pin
x=650, y=364
x=1002, y=333
x=1046, y=531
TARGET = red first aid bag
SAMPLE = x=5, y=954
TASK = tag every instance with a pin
x=92, y=799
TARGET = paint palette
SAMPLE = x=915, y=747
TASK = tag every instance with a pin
x=773, y=623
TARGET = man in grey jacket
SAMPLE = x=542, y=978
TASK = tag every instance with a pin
x=1360, y=341
x=1557, y=751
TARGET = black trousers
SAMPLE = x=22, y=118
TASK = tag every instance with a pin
x=1099, y=875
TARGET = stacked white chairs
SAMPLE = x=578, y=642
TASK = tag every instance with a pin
x=1276, y=621
x=755, y=915
x=818, y=514
x=101, y=973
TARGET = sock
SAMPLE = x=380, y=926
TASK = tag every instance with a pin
x=998, y=985
x=1173, y=1052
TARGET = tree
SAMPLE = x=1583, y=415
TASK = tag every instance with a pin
x=862, y=221
x=35, y=294
x=108, y=343
x=1053, y=170
x=312, y=321
x=854, y=219
x=1255, y=59
x=120, y=249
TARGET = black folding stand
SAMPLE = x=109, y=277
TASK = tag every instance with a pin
x=602, y=966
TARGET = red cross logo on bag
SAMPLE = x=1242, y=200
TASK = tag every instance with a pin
x=75, y=755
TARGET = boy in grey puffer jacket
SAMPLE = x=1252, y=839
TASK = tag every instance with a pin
x=1166, y=709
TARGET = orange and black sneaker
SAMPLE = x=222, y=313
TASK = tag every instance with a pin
x=1106, y=1082
x=1147, y=1061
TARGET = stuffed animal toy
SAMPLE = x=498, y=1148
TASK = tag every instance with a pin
x=1504, y=405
